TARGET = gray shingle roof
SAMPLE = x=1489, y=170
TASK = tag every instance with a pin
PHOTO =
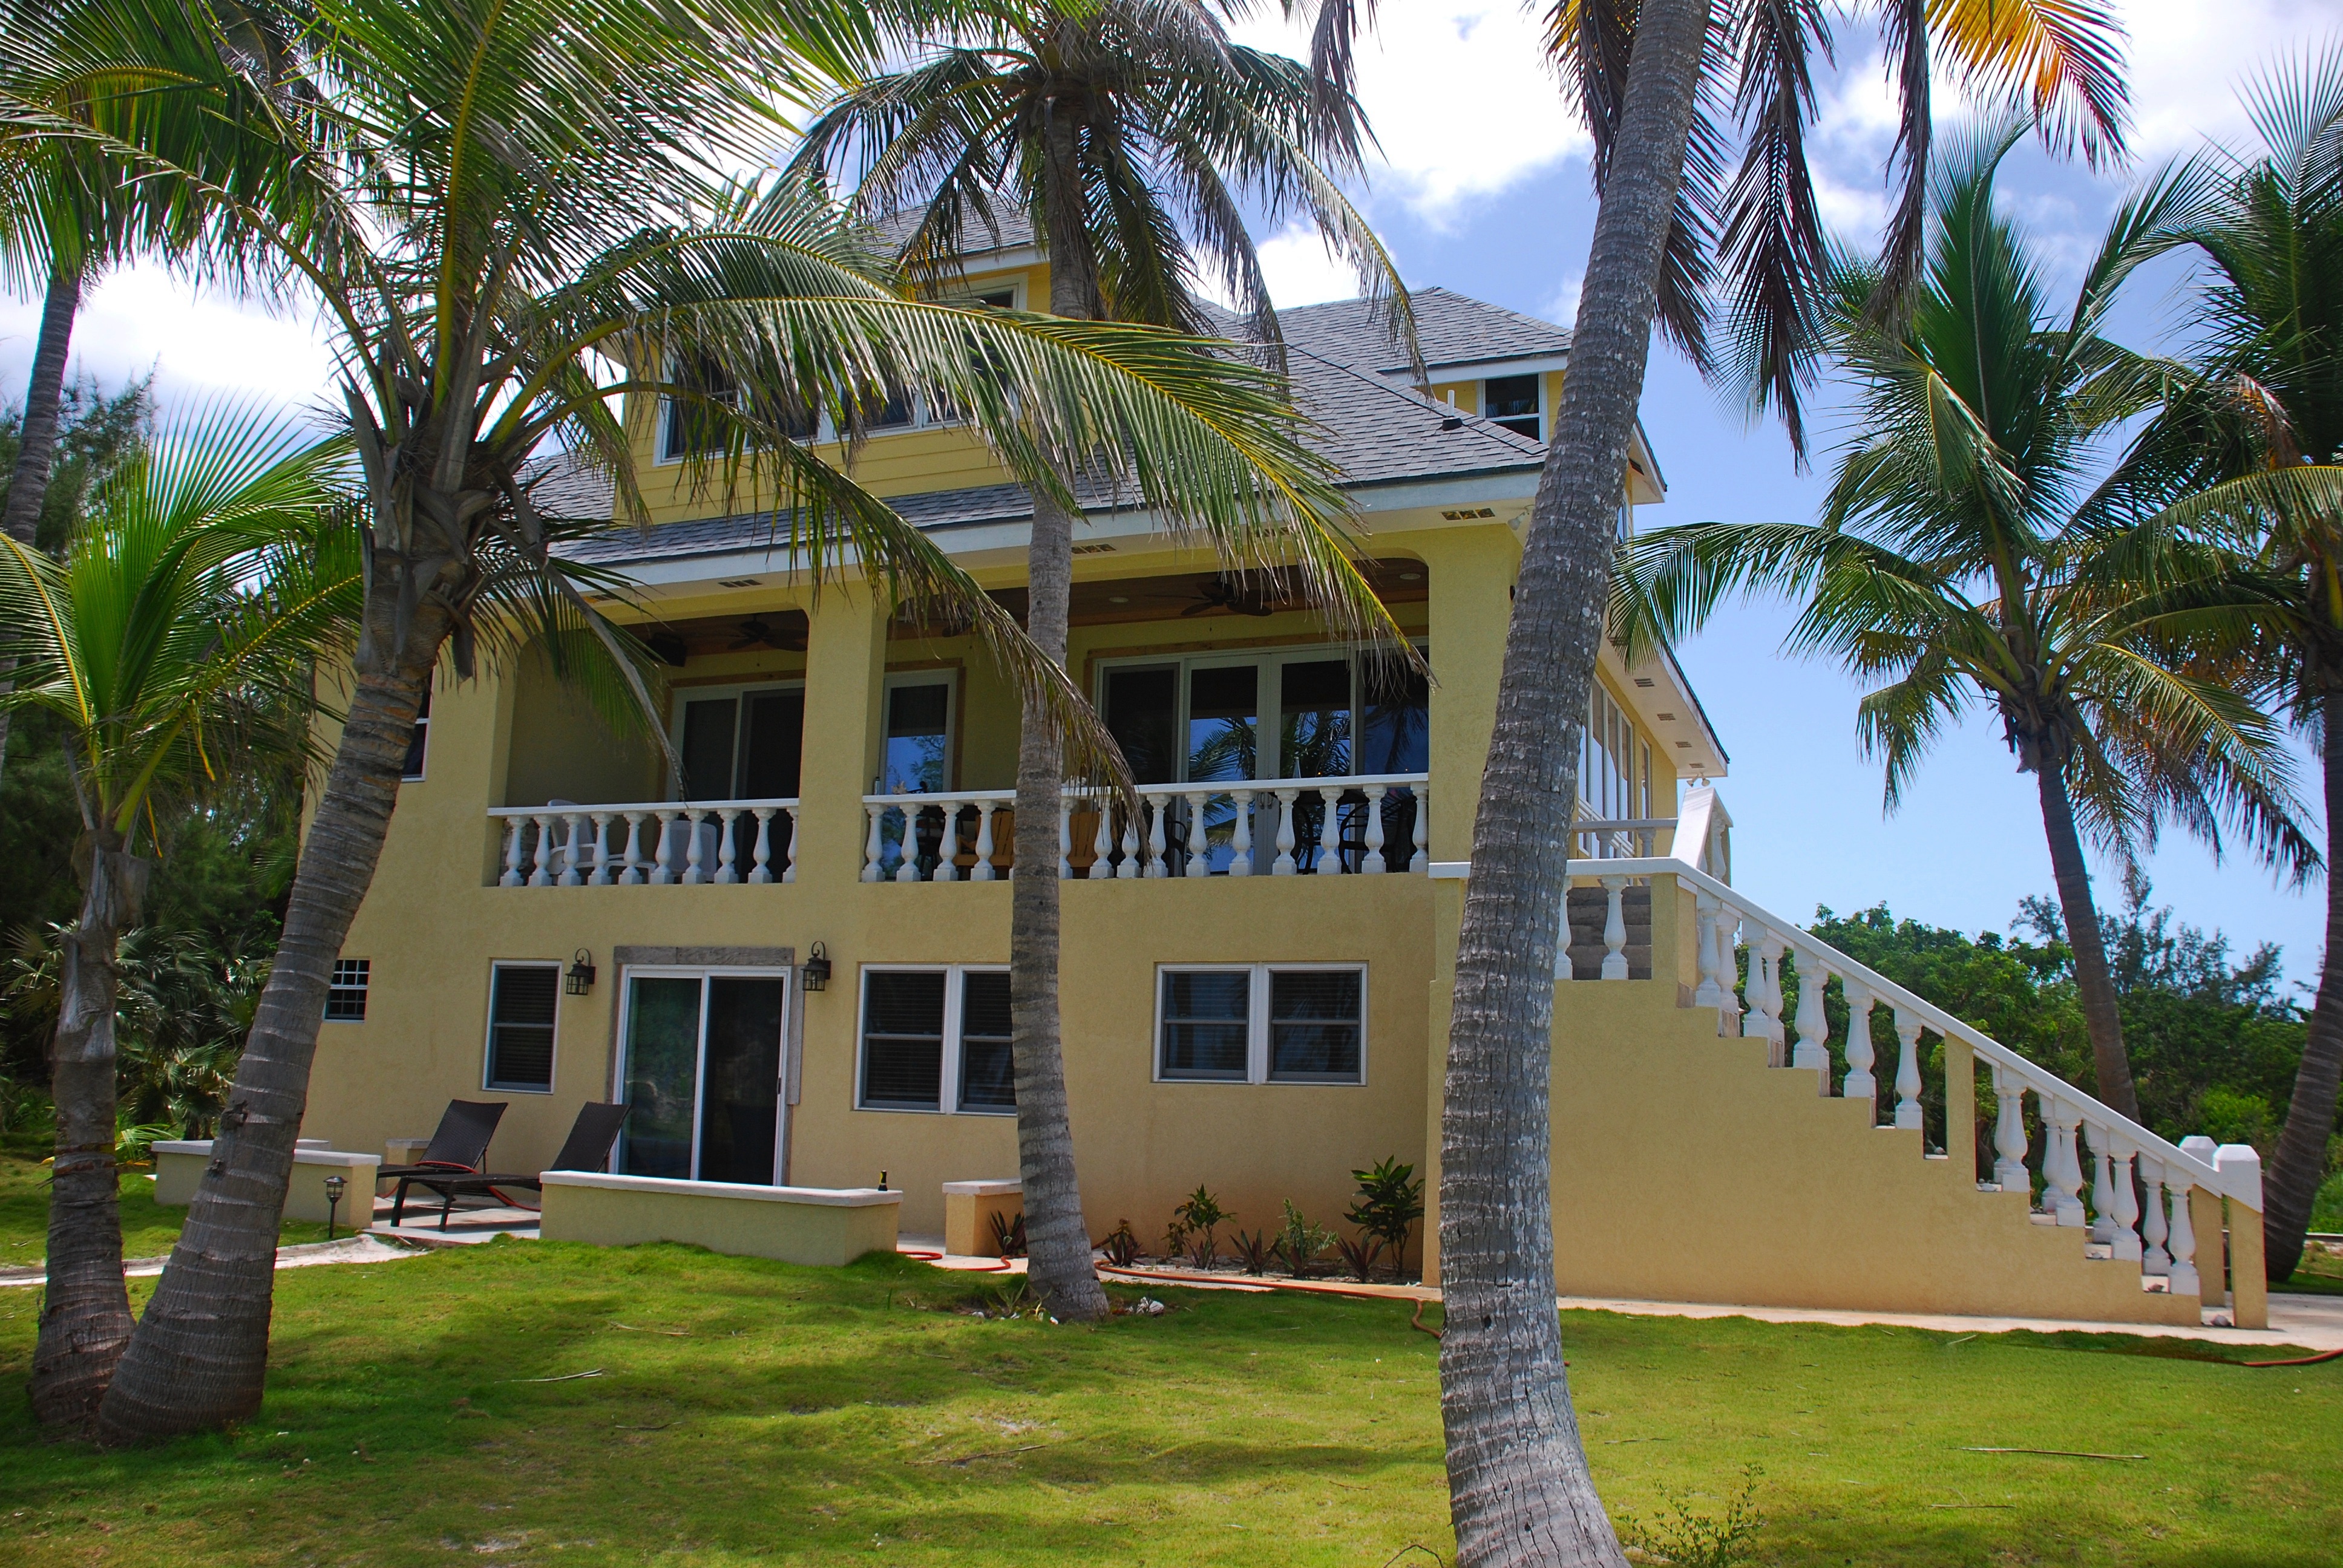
x=1375, y=427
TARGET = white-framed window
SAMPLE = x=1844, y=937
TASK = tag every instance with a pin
x=524, y=999
x=1323, y=710
x=1606, y=759
x=744, y=742
x=935, y=1038
x=346, y=993
x=1261, y=1023
x=922, y=715
x=1516, y=402
x=418, y=742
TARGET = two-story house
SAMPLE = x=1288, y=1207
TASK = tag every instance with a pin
x=798, y=952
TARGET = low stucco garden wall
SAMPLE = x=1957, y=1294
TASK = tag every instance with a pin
x=825, y=1226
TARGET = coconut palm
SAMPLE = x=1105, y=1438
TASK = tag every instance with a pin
x=174, y=636
x=1126, y=132
x=2274, y=318
x=1669, y=88
x=552, y=235
x=1964, y=556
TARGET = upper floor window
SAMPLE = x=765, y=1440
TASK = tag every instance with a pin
x=692, y=421
x=346, y=994
x=918, y=757
x=418, y=740
x=1513, y=401
x=1294, y=713
x=741, y=742
x=1605, y=758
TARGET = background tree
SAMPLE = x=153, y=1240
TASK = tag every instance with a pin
x=555, y=239
x=1668, y=87
x=2273, y=321
x=1964, y=555
x=1126, y=132
x=174, y=638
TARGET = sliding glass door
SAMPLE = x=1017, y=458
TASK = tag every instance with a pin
x=703, y=1069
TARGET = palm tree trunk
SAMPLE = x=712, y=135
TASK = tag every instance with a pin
x=2301, y=1159
x=85, y=1307
x=1519, y=1491
x=36, y=445
x=200, y=1355
x=1057, y=1237
x=2092, y=982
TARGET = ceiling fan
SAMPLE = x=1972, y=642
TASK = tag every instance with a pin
x=757, y=632
x=1237, y=597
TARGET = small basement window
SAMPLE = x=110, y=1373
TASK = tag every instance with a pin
x=936, y=1039
x=522, y=998
x=1513, y=401
x=346, y=993
x=418, y=741
x=1261, y=1023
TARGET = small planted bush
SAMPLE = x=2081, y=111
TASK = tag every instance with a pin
x=1360, y=1256
x=1389, y=1202
x=1692, y=1540
x=1121, y=1245
x=1198, y=1218
x=1009, y=1235
x=1300, y=1242
x=1254, y=1249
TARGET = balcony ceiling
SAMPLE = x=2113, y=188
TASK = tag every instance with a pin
x=1212, y=596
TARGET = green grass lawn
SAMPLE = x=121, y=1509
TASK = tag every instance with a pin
x=747, y=1410
x=149, y=1229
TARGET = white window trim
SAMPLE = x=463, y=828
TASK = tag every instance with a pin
x=947, y=676
x=1268, y=696
x=629, y=973
x=736, y=690
x=954, y=1046
x=1545, y=403
x=488, y=1041
x=366, y=988
x=1257, y=1023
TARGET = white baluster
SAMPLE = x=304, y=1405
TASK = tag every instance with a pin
x=1329, y=833
x=2154, y=1261
x=1705, y=912
x=1614, y=928
x=1240, y=843
x=1860, y=1054
x=661, y=872
x=541, y=874
x=2009, y=1134
x=762, y=853
x=907, y=864
x=512, y=876
x=1157, y=805
x=1372, y=863
x=2185, y=1279
x=1908, y=1069
x=1565, y=967
x=1764, y=1019
x=875, y=846
x=567, y=876
x=1728, y=1005
x=1129, y=869
x=1200, y=863
x=694, y=873
x=632, y=874
x=1283, y=865
x=1102, y=843
x=1419, y=857
x=1814, y=1019
x=2103, y=1184
x=948, y=845
x=2126, y=1242
x=726, y=845
x=984, y=870
x=789, y=871
x=601, y=877
x=2063, y=1169
x=1065, y=836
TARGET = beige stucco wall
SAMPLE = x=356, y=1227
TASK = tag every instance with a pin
x=746, y=1221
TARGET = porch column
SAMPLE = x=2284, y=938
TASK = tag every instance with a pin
x=846, y=665
x=1472, y=570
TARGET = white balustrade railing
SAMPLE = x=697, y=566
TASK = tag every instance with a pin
x=659, y=841
x=2139, y=1183
x=1617, y=838
x=1361, y=825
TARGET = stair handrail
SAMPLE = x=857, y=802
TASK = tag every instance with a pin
x=2033, y=1076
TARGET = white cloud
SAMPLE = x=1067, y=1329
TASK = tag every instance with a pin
x=1459, y=95
x=1301, y=271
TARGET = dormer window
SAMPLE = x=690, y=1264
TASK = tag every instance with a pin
x=1513, y=401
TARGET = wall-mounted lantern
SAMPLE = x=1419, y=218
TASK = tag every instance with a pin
x=817, y=968
x=580, y=977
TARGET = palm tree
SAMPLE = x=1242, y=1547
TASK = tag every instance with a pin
x=1125, y=131
x=174, y=636
x=1669, y=87
x=2274, y=320
x=556, y=236
x=1963, y=554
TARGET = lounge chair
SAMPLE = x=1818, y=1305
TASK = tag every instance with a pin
x=461, y=1144
x=587, y=1148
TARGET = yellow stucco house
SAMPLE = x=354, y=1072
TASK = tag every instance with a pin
x=1254, y=974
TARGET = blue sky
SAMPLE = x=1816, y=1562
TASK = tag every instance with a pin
x=1483, y=190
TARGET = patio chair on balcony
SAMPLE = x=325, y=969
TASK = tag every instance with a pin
x=587, y=1148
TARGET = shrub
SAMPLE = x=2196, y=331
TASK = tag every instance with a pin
x=1300, y=1242
x=1360, y=1256
x=1198, y=1218
x=1691, y=1539
x=1389, y=1202
x=1121, y=1245
x=1254, y=1249
x=1009, y=1235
